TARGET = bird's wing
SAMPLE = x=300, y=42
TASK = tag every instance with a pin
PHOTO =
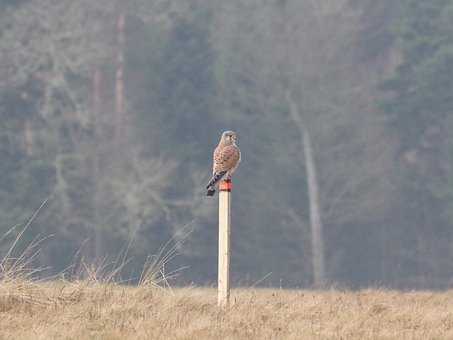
x=231, y=171
x=226, y=158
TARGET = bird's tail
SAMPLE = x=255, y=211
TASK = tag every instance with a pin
x=214, y=180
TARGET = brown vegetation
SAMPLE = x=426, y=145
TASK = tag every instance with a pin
x=85, y=310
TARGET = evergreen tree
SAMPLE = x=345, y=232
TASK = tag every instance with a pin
x=420, y=111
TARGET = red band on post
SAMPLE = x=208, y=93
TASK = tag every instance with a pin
x=226, y=185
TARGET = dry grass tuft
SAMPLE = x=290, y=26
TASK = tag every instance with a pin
x=85, y=310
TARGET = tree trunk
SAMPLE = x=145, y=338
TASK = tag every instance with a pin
x=119, y=86
x=317, y=242
x=96, y=102
x=315, y=213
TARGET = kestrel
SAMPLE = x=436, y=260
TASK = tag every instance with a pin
x=226, y=159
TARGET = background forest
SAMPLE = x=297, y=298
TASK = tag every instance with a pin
x=111, y=110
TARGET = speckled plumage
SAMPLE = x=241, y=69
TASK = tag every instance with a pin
x=226, y=159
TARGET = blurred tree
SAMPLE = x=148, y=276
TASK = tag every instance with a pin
x=50, y=51
x=419, y=109
x=192, y=69
x=306, y=48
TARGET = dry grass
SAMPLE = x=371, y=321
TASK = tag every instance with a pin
x=92, y=305
x=87, y=310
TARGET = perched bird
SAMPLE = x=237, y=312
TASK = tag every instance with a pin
x=226, y=159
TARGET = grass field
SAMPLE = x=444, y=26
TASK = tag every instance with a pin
x=97, y=307
x=84, y=310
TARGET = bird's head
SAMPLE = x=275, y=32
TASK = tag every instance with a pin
x=229, y=137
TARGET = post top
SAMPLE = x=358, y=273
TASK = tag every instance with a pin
x=226, y=185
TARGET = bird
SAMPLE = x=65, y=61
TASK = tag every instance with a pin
x=225, y=160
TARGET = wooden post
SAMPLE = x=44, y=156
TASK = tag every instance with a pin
x=224, y=243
